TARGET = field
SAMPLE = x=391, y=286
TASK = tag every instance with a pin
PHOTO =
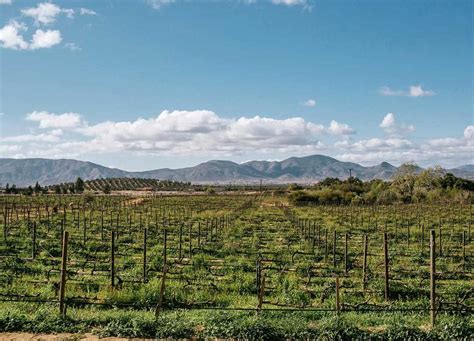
x=234, y=266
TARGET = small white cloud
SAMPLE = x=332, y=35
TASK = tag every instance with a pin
x=413, y=91
x=72, y=46
x=289, y=2
x=336, y=128
x=418, y=91
x=158, y=4
x=309, y=103
x=49, y=120
x=390, y=126
x=45, y=39
x=5, y=2
x=87, y=11
x=469, y=133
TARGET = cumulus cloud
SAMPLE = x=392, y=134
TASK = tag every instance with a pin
x=45, y=39
x=336, y=128
x=413, y=91
x=49, y=120
x=5, y=2
x=309, y=103
x=11, y=37
x=184, y=133
x=448, y=150
x=46, y=13
x=390, y=126
x=469, y=133
x=203, y=130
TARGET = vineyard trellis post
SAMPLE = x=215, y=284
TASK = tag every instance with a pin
x=112, y=260
x=432, y=279
x=364, y=265
x=386, y=264
x=62, y=284
x=144, y=253
x=338, y=297
x=33, y=242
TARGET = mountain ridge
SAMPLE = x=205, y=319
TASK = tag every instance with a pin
x=312, y=168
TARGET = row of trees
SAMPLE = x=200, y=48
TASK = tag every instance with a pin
x=408, y=186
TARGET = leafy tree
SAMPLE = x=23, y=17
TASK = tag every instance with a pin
x=79, y=185
x=404, y=181
x=37, y=188
x=107, y=188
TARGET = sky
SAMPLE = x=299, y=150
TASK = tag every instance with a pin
x=145, y=84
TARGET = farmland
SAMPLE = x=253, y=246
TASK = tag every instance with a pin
x=247, y=266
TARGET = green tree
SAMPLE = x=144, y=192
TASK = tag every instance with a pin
x=107, y=188
x=404, y=181
x=79, y=185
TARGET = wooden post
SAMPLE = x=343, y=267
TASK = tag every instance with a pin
x=440, y=242
x=334, y=249
x=338, y=299
x=422, y=238
x=364, y=266
x=464, y=249
x=346, y=257
x=33, y=242
x=386, y=263
x=199, y=234
x=432, y=279
x=190, y=240
x=62, y=284
x=326, y=245
x=261, y=292
x=180, y=240
x=112, y=260
x=144, y=253
x=162, y=290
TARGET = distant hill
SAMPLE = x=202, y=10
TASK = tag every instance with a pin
x=24, y=172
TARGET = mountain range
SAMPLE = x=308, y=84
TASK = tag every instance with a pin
x=24, y=172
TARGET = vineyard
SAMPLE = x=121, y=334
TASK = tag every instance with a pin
x=239, y=266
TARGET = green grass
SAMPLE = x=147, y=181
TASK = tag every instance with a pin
x=221, y=273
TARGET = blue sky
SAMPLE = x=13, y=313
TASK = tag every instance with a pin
x=150, y=83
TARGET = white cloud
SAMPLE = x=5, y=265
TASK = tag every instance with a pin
x=203, y=130
x=417, y=91
x=45, y=39
x=11, y=37
x=469, y=133
x=72, y=46
x=336, y=128
x=87, y=11
x=52, y=136
x=48, y=120
x=45, y=13
x=5, y=2
x=157, y=4
x=413, y=91
x=289, y=2
x=448, y=150
x=390, y=126
x=309, y=103
x=183, y=133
